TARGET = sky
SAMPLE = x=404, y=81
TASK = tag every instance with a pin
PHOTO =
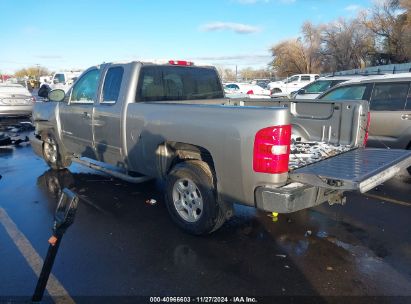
x=76, y=34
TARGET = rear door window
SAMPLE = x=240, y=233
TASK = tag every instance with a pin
x=305, y=78
x=389, y=96
x=354, y=92
x=162, y=83
x=112, y=84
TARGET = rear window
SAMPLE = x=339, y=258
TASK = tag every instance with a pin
x=163, y=83
x=60, y=78
x=389, y=96
x=355, y=92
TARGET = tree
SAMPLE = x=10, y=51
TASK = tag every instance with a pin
x=389, y=23
x=249, y=74
x=345, y=45
x=32, y=72
x=299, y=55
x=226, y=74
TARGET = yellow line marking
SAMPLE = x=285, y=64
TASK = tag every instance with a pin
x=387, y=199
x=54, y=287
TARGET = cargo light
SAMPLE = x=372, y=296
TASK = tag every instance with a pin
x=181, y=62
x=272, y=149
x=366, y=129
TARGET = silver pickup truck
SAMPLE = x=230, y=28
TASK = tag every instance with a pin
x=171, y=121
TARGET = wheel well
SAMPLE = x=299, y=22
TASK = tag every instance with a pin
x=171, y=153
x=409, y=146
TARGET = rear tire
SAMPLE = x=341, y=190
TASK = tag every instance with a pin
x=191, y=199
x=53, y=155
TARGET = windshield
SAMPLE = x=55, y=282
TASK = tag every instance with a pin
x=318, y=86
x=291, y=79
x=347, y=92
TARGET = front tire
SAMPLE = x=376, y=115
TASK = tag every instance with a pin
x=191, y=199
x=53, y=155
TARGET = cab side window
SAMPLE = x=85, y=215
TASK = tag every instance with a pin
x=85, y=90
x=389, y=96
x=112, y=85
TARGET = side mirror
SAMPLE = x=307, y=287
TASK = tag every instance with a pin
x=57, y=95
x=301, y=92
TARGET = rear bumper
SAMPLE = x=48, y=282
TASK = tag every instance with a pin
x=37, y=145
x=292, y=198
x=15, y=110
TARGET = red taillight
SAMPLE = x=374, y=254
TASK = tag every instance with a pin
x=272, y=149
x=250, y=92
x=181, y=62
x=33, y=99
x=366, y=129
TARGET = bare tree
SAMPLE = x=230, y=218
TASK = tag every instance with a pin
x=345, y=45
x=32, y=72
x=388, y=22
x=226, y=74
x=299, y=55
x=250, y=74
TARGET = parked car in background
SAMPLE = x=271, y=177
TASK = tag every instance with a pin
x=250, y=90
x=261, y=82
x=15, y=100
x=63, y=80
x=292, y=83
x=390, y=107
x=322, y=84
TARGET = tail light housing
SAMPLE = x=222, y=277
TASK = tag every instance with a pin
x=272, y=149
x=250, y=92
x=367, y=128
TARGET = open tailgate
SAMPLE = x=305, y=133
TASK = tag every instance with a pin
x=360, y=169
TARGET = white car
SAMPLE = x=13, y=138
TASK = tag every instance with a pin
x=15, y=100
x=246, y=90
x=322, y=84
x=292, y=83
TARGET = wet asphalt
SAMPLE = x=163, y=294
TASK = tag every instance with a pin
x=122, y=246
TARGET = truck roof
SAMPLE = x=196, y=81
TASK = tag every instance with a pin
x=163, y=62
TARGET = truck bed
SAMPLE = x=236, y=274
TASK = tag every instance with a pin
x=306, y=153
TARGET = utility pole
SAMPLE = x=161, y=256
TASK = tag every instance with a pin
x=38, y=71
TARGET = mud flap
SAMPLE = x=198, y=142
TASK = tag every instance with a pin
x=360, y=169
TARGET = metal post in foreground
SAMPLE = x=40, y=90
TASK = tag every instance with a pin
x=63, y=218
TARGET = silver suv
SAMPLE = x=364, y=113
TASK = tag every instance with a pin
x=390, y=107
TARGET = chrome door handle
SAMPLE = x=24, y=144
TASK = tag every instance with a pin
x=405, y=116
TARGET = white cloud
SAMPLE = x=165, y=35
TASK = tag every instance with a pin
x=352, y=8
x=239, y=28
